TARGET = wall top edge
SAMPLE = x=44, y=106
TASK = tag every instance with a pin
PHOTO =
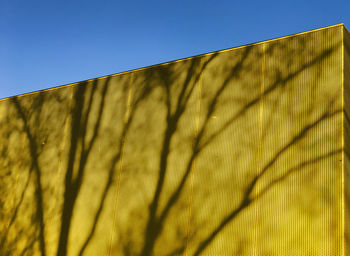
x=175, y=61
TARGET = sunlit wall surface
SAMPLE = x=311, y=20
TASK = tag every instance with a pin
x=238, y=152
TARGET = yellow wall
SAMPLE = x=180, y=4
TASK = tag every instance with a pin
x=237, y=152
x=346, y=81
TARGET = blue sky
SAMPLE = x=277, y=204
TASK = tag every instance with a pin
x=50, y=43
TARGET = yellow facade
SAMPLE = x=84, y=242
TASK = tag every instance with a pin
x=237, y=152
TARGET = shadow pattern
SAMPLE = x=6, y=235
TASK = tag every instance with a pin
x=237, y=152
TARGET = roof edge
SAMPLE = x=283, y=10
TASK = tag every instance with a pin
x=173, y=61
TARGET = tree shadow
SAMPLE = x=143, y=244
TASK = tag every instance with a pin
x=182, y=147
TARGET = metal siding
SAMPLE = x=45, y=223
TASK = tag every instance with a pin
x=346, y=81
x=237, y=152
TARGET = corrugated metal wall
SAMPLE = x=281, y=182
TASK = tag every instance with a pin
x=346, y=92
x=237, y=152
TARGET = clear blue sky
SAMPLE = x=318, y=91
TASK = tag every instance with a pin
x=50, y=43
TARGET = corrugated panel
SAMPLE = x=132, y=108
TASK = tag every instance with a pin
x=237, y=152
x=346, y=120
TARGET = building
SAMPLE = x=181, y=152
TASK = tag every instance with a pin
x=243, y=151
